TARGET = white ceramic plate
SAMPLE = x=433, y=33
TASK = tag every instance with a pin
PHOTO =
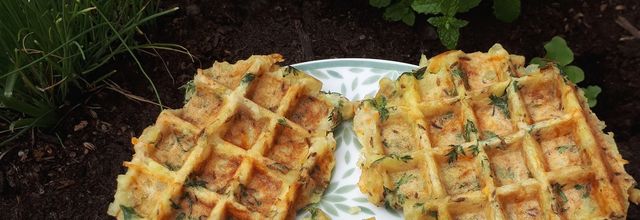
x=356, y=79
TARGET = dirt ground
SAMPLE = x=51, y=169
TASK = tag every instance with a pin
x=70, y=173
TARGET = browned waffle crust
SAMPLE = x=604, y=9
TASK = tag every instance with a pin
x=254, y=141
x=479, y=136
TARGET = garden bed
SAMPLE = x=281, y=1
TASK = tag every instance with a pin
x=74, y=176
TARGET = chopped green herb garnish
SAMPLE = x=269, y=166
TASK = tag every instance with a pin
x=289, y=69
x=452, y=92
x=283, y=122
x=171, y=166
x=404, y=158
x=174, y=205
x=380, y=104
x=586, y=188
x=181, y=216
x=418, y=204
x=457, y=72
x=454, y=152
x=129, y=213
x=246, y=194
x=489, y=134
x=557, y=189
x=312, y=209
x=193, y=182
x=404, y=179
x=385, y=144
x=475, y=149
x=502, y=103
x=247, y=78
x=515, y=85
x=418, y=74
x=564, y=148
x=279, y=167
x=484, y=162
x=469, y=128
x=433, y=214
x=335, y=114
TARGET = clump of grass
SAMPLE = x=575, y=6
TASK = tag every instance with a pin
x=50, y=48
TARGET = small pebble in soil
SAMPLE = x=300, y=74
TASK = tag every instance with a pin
x=23, y=155
x=88, y=146
x=82, y=124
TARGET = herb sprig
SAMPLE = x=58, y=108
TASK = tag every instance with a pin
x=502, y=103
x=380, y=104
x=418, y=74
x=403, y=158
x=469, y=128
x=454, y=152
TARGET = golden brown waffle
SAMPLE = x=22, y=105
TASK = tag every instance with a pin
x=253, y=142
x=478, y=136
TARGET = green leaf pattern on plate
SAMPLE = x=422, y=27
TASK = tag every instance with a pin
x=355, y=79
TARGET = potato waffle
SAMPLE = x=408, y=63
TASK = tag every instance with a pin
x=479, y=136
x=253, y=141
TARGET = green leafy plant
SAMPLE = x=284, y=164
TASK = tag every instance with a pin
x=559, y=53
x=49, y=49
x=443, y=13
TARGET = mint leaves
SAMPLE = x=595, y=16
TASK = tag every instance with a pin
x=448, y=29
x=443, y=13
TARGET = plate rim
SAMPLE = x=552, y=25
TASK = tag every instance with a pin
x=354, y=62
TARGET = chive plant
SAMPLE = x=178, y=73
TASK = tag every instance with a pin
x=50, y=48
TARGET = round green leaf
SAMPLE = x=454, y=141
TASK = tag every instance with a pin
x=591, y=93
x=409, y=19
x=426, y=6
x=506, y=10
x=574, y=73
x=558, y=51
x=539, y=61
x=466, y=5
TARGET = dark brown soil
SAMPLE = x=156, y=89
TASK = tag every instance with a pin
x=75, y=177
